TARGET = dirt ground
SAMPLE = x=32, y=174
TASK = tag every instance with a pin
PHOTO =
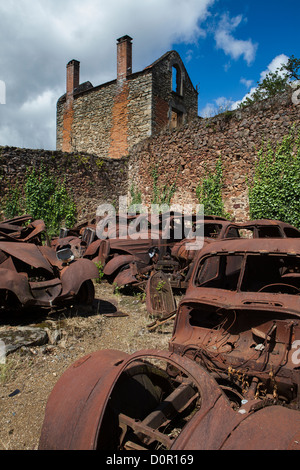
x=29, y=374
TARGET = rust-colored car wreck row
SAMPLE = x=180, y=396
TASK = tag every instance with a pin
x=31, y=274
x=230, y=378
x=126, y=259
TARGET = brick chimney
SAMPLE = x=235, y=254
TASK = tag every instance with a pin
x=124, y=57
x=72, y=76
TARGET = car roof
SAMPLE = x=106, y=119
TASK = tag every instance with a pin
x=252, y=245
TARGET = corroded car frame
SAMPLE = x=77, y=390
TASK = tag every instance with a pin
x=228, y=381
x=192, y=414
x=33, y=276
x=24, y=229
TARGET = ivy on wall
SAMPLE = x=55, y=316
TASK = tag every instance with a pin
x=274, y=192
x=162, y=193
x=136, y=197
x=209, y=192
x=43, y=197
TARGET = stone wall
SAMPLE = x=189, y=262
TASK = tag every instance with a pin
x=91, y=179
x=188, y=153
x=107, y=120
x=185, y=154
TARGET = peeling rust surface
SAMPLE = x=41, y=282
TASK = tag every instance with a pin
x=230, y=379
x=31, y=275
x=24, y=229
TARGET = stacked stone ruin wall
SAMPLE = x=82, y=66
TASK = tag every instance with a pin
x=184, y=155
x=189, y=153
x=91, y=180
x=107, y=120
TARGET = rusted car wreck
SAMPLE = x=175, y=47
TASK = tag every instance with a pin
x=24, y=229
x=32, y=276
x=129, y=263
x=231, y=377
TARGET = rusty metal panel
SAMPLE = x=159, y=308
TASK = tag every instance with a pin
x=229, y=379
x=160, y=300
x=100, y=412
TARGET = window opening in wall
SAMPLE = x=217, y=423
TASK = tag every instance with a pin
x=176, y=118
x=176, y=79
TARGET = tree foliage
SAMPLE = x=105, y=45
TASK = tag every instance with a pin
x=275, y=82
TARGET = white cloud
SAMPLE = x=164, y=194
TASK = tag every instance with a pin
x=274, y=65
x=39, y=37
x=247, y=83
x=2, y=92
x=225, y=40
x=209, y=110
x=189, y=56
x=219, y=105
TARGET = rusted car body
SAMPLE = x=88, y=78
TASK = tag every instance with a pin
x=24, y=229
x=83, y=239
x=241, y=313
x=176, y=258
x=33, y=276
x=231, y=377
x=119, y=233
x=127, y=260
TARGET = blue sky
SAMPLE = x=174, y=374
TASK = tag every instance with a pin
x=226, y=46
x=269, y=30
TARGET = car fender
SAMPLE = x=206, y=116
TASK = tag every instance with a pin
x=117, y=262
x=77, y=404
x=76, y=274
x=16, y=283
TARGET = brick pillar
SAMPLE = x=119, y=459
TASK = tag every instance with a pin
x=72, y=76
x=72, y=83
x=124, y=57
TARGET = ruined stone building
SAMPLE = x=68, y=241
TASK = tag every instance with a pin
x=108, y=119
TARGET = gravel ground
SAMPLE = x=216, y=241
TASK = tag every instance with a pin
x=29, y=374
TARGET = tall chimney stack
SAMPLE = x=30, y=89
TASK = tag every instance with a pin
x=124, y=57
x=72, y=76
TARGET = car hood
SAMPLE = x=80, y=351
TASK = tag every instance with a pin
x=248, y=301
x=28, y=253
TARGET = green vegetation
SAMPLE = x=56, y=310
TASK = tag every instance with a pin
x=274, y=191
x=136, y=197
x=44, y=197
x=275, y=82
x=209, y=192
x=160, y=286
x=162, y=193
x=100, y=266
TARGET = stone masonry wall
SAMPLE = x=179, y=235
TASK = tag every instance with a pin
x=185, y=154
x=109, y=119
x=189, y=152
x=91, y=179
x=165, y=98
